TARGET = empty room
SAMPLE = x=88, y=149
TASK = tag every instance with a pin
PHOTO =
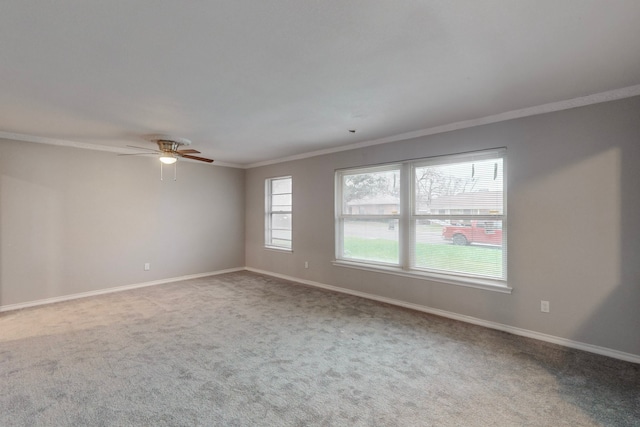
x=305, y=213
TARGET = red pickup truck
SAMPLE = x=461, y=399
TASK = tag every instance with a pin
x=484, y=232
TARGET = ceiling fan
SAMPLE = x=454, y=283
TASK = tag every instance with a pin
x=169, y=149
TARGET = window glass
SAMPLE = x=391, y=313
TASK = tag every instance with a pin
x=281, y=185
x=278, y=212
x=449, y=220
x=371, y=240
x=473, y=187
x=466, y=247
x=371, y=193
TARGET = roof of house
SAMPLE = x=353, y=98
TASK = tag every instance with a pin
x=491, y=200
x=381, y=200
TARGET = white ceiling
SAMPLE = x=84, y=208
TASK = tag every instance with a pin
x=252, y=81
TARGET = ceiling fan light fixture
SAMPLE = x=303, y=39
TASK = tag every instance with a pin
x=168, y=159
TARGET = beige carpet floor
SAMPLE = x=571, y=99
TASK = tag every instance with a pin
x=242, y=349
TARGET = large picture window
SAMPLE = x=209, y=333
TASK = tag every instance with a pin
x=441, y=217
x=278, y=212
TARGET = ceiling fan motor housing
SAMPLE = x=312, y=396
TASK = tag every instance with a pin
x=169, y=147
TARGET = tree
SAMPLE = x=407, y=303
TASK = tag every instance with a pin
x=433, y=182
x=428, y=181
x=362, y=186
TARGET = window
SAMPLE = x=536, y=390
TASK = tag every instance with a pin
x=370, y=235
x=441, y=217
x=278, y=212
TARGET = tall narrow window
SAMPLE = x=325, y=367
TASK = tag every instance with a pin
x=278, y=212
x=441, y=217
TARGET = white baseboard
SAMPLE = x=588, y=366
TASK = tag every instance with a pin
x=629, y=357
x=19, y=306
x=468, y=319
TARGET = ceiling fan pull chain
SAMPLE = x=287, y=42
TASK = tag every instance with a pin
x=161, y=172
x=175, y=171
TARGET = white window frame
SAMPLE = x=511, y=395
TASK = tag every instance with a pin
x=269, y=212
x=341, y=216
x=407, y=219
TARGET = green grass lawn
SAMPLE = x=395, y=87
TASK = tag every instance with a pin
x=485, y=261
x=371, y=249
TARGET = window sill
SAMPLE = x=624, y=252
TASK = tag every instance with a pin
x=486, y=284
x=278, y=249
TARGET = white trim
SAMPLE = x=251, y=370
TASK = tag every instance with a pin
x=269, y=212
x=582, y=101
x=22, y=305
x=96, y=147
x=62, y=142
x=278, y=249
x=471, y=282
x=629, y=357
x=407, y=218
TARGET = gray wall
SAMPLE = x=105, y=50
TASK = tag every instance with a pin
x=574, y=221
x=74, y=220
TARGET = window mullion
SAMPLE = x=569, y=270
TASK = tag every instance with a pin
x=451, y=220
x=406, y=227
x=339, y=221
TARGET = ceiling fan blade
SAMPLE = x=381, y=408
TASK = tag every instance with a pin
x=144, y=148
x=188, y=151
x=202, y=159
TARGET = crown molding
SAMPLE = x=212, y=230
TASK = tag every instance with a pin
x=95, y=147
x=61, y=142
x=582, y=101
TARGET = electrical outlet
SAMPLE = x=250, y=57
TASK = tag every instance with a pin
x=544, y=306
x=306, y=264
x=147, y=266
